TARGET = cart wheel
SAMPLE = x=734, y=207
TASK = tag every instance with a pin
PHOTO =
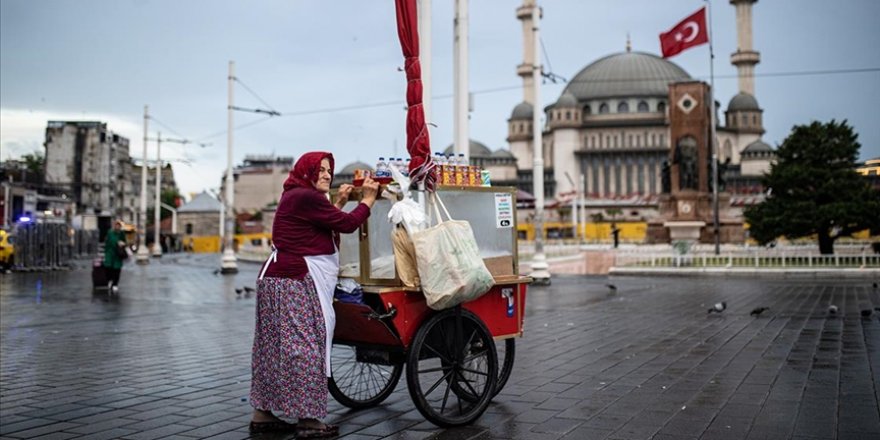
x=506, y=355
x=451, y=383
x=362, y=378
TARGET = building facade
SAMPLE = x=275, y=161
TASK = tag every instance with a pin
x=259, y=181
x=90, y=164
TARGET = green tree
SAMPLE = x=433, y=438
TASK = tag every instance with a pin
x=813, y=189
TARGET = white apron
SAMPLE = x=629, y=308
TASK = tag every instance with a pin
x=324, y=270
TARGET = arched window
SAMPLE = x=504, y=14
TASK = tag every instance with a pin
x=755, y=120
x=623, y=107
x=588, y=110
x=745, y=121
x=661, y=106
x=643, y=107
x=603, y=108
x=568, y=115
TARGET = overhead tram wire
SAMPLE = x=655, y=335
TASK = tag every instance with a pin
x=519, y=86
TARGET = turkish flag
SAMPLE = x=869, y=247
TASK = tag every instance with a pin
x=686, y=34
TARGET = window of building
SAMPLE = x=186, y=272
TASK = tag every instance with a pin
x=745, y=120
x=643, y=107
x=629, y=141
x=640, y=176
x=587, y=110
x=603, y=108
x=755, y=120
x=654, y=139
x=568, y=115
x=623, y=107
x=661, y=106
x=189, y=229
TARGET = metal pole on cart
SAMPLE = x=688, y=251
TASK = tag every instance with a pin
x=540, y=272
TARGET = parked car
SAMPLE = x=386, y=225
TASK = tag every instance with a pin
x=7, y=249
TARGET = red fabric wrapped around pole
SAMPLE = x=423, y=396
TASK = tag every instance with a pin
x=418, y=143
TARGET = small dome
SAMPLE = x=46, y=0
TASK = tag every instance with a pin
x=567, y=100
x=477, y=149
x=522, y=110
x=349, y=169
x=743, y=102
x=756, y=148
x=501, y=153
x=203, y=202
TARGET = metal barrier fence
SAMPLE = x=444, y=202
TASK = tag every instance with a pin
x=753, y=259
x=51, y=246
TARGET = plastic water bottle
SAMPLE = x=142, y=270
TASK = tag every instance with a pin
x=383, y=174
x=405, y=169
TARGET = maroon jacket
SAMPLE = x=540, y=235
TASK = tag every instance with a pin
x=306, y=224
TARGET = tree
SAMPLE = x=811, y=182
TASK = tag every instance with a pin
x=813, y=189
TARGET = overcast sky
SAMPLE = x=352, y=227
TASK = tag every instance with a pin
x=105, y=59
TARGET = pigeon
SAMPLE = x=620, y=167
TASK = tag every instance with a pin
x=216, y=271
x=866, y=313
x=249, y=289
x=611, y=287
x=832, y=309
x=875, y=284
x=758, y=310
x=718, y=307
x=238, y=291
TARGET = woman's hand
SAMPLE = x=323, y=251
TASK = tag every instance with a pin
x=342, y=195
x=371, y=190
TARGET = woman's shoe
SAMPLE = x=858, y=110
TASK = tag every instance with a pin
x=326, y=431
x=273, y=426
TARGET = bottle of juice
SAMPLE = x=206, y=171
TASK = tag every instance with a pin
x=460, y=170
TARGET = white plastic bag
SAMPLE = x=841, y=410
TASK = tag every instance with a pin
x=450, y=268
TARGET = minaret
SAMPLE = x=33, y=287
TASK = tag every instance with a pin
x=524, y=70
x=744, y=58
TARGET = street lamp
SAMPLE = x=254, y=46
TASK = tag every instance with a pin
x=228, y=261
x=143, y=256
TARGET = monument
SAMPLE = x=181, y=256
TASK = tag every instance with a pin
x=686, y=211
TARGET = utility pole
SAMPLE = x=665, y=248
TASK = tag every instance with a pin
x=540, y=272
x=157, y=210
x=460, y=80
x=228, y=262
x=143, y=256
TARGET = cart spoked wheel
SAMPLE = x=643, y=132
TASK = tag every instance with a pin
x=363, y=377
x=452, y=368
x=506, y=352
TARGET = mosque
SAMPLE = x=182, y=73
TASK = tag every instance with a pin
x=607, y=136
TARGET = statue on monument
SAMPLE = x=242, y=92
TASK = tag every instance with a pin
x=665, y=178
x=686, y=159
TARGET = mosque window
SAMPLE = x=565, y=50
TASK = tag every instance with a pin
x=643, y=107
x=755, y=120
x=623, y=107
x=587, y=110
x=653, y=139
x=640, y=177
x=662, y=139
x=603, y=108
x=661, y=106
x=568, y=115
x=745, y=120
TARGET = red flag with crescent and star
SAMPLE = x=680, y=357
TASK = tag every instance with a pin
x=686, y=34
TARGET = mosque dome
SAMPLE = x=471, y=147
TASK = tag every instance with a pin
x=743, y=102
x=522, y=110
x=566, y=100
x=349, y=169
x=477, y=149
x=625, y=74
x=757, y=148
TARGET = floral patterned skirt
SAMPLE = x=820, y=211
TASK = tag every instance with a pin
x=289, y=349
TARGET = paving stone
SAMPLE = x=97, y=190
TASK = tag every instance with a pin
x=170, y=358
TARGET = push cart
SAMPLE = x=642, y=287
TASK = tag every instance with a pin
x=455, y=360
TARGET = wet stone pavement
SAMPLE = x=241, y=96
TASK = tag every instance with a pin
x=169, y=357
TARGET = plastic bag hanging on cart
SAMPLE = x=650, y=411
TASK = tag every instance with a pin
x=448, y=260
x=409, y=218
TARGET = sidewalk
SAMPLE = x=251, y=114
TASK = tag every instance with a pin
x=170, y=358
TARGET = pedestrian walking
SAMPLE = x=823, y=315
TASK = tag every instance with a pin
x=294, y=314
x=114, y=254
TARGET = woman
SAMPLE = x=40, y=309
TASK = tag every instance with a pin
x=114, y=247
x=295, y=319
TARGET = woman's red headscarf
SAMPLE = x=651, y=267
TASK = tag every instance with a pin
x=305, y=173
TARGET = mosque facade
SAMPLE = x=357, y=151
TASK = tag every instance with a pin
x=607, y=136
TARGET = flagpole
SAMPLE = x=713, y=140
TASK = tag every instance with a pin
x=714, y=144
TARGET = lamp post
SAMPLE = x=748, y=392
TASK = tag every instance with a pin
x=143, y=256
x=540, y=272
x=157, y=211
x=228, y=262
